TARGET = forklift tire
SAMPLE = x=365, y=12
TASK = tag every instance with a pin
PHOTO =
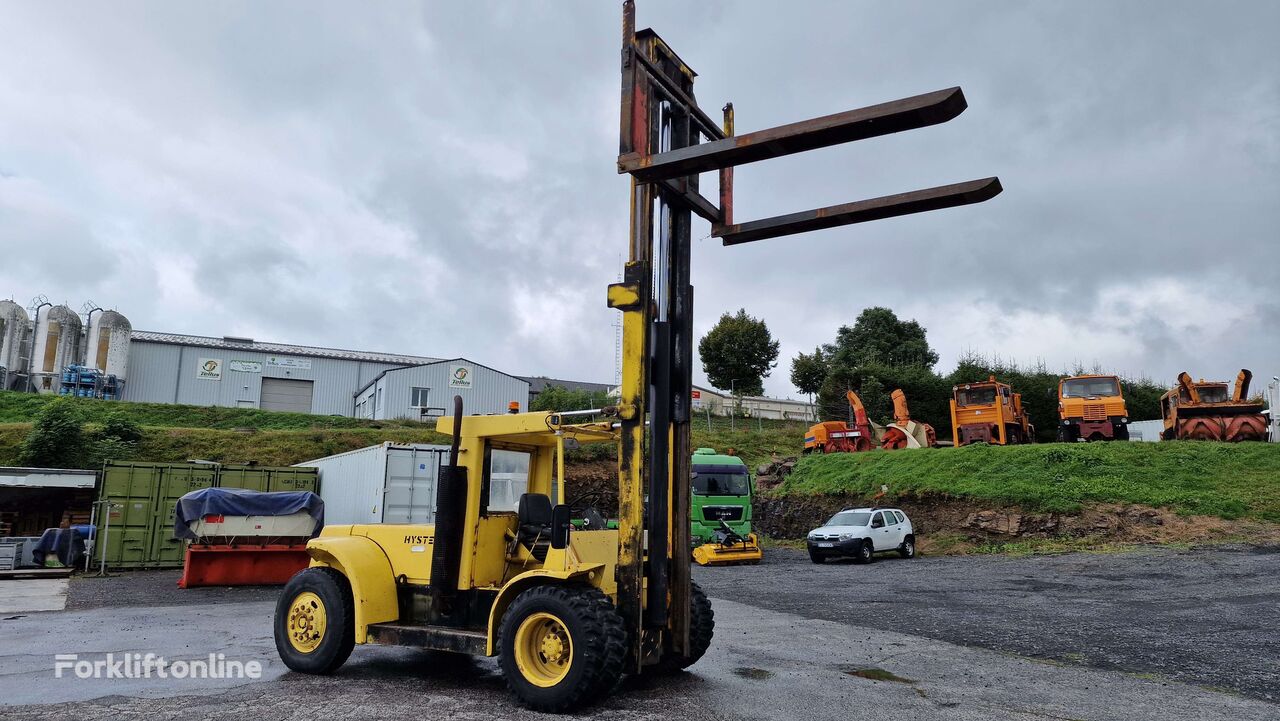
x=866, y=552
x=561, y=647
x=702, y=626
x=315, y=621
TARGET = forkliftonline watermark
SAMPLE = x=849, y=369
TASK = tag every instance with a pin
x=138, y=665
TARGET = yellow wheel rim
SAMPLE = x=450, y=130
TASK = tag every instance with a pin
x=544, y=649
x=307, y=622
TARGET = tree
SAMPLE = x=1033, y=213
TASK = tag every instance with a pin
x=878, y=337
x=57, y=439
x=559, y=398
x=738, y=353
x=808, y=370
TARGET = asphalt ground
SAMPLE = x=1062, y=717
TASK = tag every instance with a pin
x=838, y=641
x=1208, y=616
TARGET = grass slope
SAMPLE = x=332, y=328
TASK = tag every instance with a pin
x=1226, y=480
x=22, y=408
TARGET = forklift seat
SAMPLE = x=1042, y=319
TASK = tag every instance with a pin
x=534, y=518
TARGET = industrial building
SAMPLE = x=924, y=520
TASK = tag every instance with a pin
x=52, y=350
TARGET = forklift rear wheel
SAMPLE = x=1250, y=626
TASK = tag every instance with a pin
x=561, y=646
x=315, y=621
x=702, y=626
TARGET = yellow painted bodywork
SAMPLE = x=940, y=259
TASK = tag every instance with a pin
x=377, y=558
x=1091, y=409
x=365, y=565
x=1006, y=410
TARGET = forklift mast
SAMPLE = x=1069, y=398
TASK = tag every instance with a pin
x=666, y=141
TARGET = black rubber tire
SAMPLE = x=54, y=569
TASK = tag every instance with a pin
x=1122, y=432
x=817, y=559
x=908, y=547
x=340, y=633
x=702, y=627
x=599, y=641
x=866, y=552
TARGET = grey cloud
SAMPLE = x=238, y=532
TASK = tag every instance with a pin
x=438, y=178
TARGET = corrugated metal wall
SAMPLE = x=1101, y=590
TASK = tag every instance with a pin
x=490, y=390
x=387, y=483
x=168, y=373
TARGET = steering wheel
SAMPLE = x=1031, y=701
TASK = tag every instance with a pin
x=592, y=520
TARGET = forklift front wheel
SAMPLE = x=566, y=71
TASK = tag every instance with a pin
x=561, y=646
x=315, y=621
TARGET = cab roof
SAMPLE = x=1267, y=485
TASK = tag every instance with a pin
x=709, y=457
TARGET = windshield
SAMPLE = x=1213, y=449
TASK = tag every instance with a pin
x=976, y=396
x=850, y=518
x=1086, y=387
x=1212, y=394
x=721, y=484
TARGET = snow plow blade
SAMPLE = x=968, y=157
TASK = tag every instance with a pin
x=720, y=554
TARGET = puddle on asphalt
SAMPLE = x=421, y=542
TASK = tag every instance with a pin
x=755, y=674
x=875, y=674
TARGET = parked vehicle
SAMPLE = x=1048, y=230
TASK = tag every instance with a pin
x=1205, y=411
x=989, y=412
x=860, y=533
x=1091, y=408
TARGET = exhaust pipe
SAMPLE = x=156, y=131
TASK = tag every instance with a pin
x=451, y=502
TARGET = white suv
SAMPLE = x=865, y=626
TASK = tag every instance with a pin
x=861, y=533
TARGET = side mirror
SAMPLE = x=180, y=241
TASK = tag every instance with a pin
x=560, y=525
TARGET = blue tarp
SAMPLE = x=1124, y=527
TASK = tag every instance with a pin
x=64, y=543
x=243, y=502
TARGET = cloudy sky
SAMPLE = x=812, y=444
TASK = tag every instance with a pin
x=438, y=178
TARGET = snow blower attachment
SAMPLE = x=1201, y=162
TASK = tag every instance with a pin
x=904, y=432
x=1204, y=412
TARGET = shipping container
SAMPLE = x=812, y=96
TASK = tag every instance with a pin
x=396, y=483
x=143, y=497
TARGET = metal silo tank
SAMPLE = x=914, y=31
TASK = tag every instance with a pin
x=107, y=343
x=55, y=346
x=13, y=327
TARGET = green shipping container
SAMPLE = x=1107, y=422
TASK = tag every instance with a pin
x=144, y=497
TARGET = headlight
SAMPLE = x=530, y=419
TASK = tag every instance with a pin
x=846, y=536
x=1124, y=420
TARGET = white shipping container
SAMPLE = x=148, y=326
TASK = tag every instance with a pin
x=395, y=483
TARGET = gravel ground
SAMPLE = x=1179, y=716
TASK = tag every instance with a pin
x=1205, y=616
x=155, y=588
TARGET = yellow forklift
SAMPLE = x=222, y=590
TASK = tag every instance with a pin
x=567, y=603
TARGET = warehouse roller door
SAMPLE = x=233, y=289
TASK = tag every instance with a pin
x=286, y=394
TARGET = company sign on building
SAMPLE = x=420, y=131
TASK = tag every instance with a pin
x=209, y=369
x=459, y=376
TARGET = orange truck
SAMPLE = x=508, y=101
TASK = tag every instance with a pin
x=1205, y=412
x=989, y=412
x=1091, y=408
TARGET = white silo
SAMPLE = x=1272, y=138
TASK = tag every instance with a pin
x=13, y=328
x=107, y=344
x=55, y=346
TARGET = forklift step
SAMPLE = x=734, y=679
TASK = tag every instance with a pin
x=438, y=638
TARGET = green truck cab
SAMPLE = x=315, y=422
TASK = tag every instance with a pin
x=721, y=492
